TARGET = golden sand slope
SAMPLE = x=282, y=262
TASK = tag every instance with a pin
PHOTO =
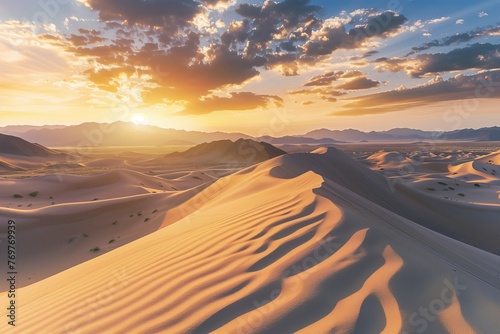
x=269, y=251
x=70, y=215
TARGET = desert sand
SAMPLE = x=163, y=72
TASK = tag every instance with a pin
x=324, y=241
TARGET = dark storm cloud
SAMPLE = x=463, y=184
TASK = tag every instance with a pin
x=482, y=85
x=476, y=56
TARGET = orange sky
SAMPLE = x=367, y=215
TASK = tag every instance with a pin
x=215, y=68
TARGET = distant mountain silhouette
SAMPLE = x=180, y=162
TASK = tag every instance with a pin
x=356, y=135
x=484, y=134
x=129, y=134
x=226, y=151
x=297, y=140
x=16, y=146
x=121, y=134
x=16, y=130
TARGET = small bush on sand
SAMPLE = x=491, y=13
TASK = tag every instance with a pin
x=431, y=189
x=463, y=195
x=111, y=241
x=17, y=196
x=34, y=194
x=95, y=249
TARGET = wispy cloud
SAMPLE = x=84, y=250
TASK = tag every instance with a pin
x=437, y=90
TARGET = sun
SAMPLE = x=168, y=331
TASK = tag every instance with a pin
x=138, y=119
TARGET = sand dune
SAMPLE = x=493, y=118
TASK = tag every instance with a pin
x=7, y=165
x=16, y=146
x=63, y=217
x=225, y=151
x=57, y=189
x=300, y=243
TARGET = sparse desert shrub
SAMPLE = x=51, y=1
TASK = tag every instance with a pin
x=95, y=249
x=95, y=199
x=431, y=189
x=17, y=196
x=130, y=216
x=85, y=235
x=115, y=222
x=145, y=220
x=139, y=213
x=70, y=240
x=442, y=183
x=155, y=211
x=111, y=241
x=461, y=194
x=477, y=185
x=34, y=194
x=451, y=188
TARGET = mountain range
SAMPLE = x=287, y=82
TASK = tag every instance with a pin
x=129, y=134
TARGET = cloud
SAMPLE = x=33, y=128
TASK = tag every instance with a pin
x=456, y=39
x=236, y=101
x=325, y=79
x=358, y=83
x=482, y=85
x=333, y=36
x=353, y=80
x=329, y=95
x=171, y=13
x=476, y=56
x=438, y=20
x=172, y=51
x=460, y=21
x=328, y=78
x=482, y=14
x=286, y=63
x=286, y=21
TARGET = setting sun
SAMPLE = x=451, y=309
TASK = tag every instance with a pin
x=138, y=119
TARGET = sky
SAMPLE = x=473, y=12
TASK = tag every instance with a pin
x=259, y=67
